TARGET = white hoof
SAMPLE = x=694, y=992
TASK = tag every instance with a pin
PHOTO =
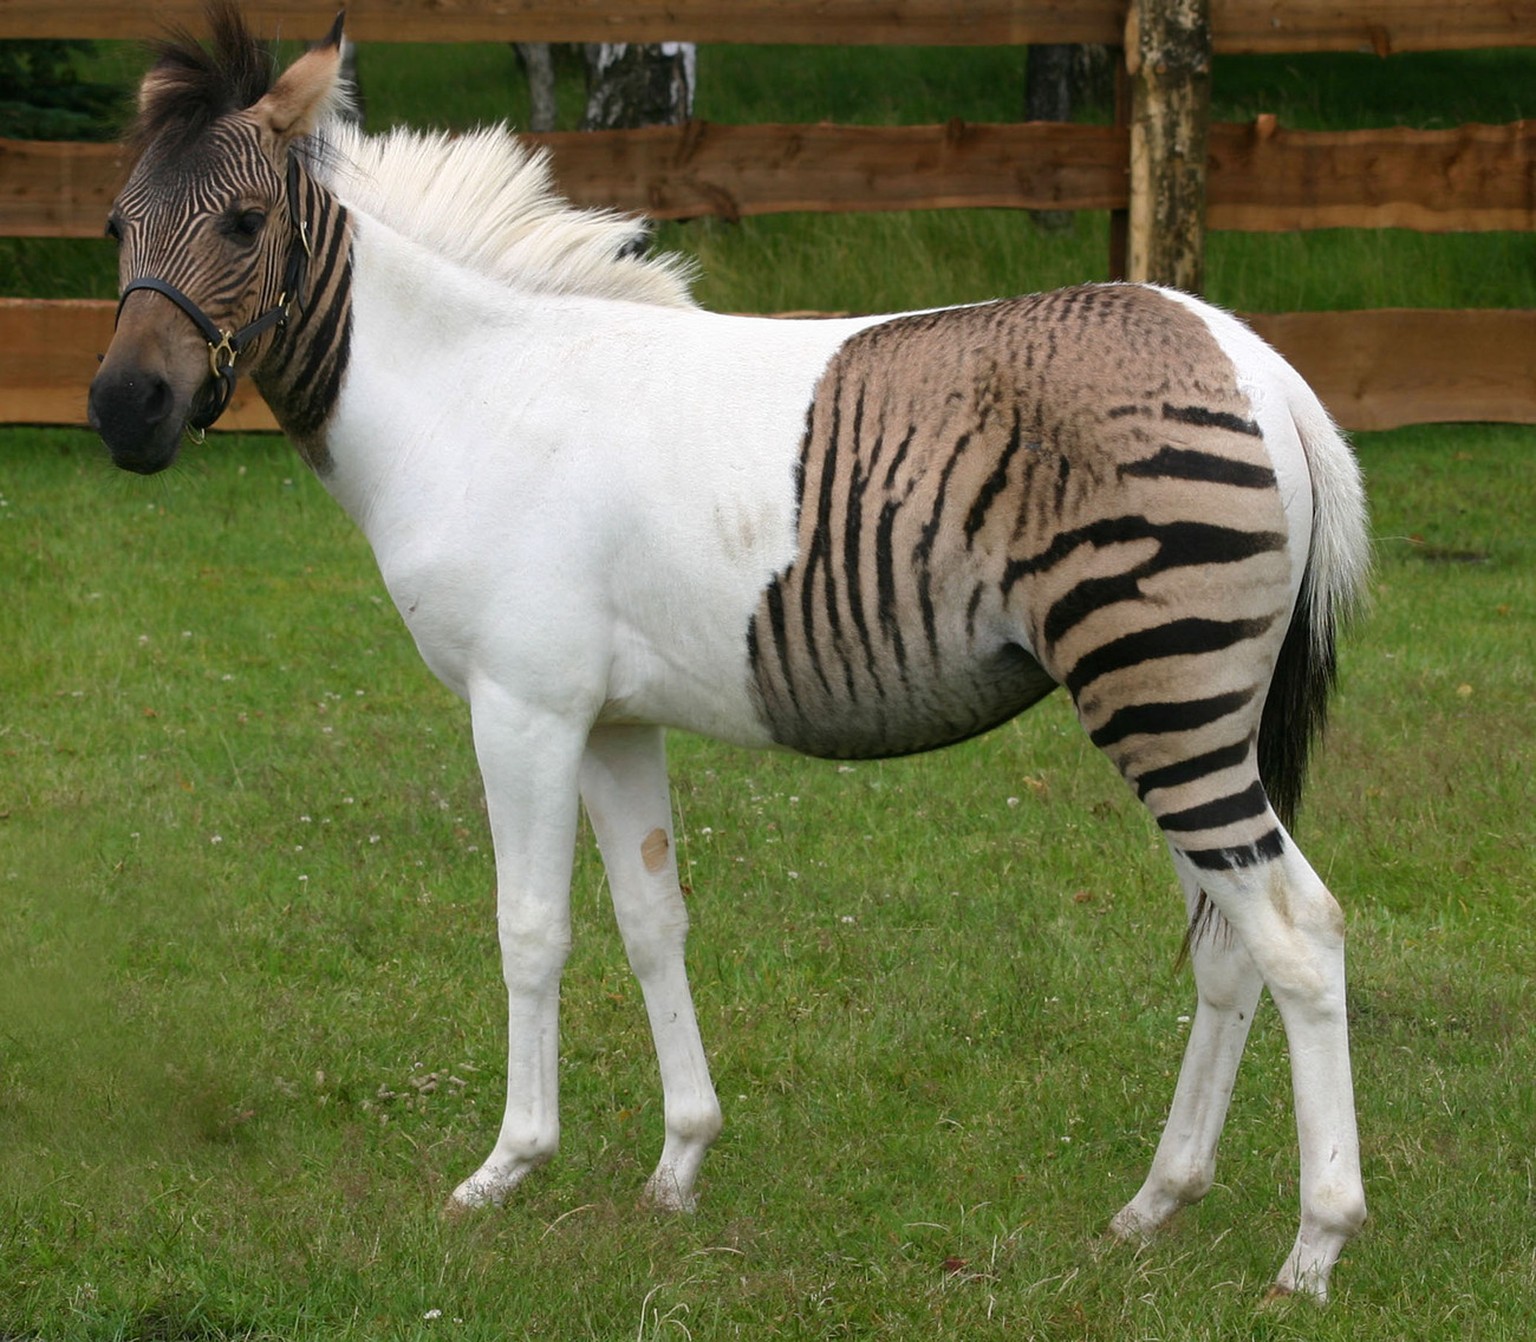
x=664, y=1193
x=487, y=1187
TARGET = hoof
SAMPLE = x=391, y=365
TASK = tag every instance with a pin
x=663, y=1194
x=1127, y=1227
x=485, y=1188
x=453, y=1211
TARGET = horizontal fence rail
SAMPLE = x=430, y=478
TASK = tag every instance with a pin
x=1382, y=26
x=1375, y=369
x=1262, y=177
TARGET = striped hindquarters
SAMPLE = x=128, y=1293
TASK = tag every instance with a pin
x=1065, y=489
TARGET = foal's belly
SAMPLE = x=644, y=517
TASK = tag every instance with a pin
x=837, y=714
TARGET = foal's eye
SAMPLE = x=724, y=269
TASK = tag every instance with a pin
x=246, y=224
x=114, y=231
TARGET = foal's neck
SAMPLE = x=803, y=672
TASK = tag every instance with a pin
x=301, y=376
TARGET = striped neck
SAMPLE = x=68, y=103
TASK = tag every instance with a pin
x=302, y=374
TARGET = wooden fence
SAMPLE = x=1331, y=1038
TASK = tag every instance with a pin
x=1374, y=369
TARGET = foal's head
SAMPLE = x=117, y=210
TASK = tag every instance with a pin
x=210, y=233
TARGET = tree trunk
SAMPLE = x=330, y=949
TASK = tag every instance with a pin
x=1168, y=58
x=1048, y=75
x=632, y=84
x=539, y=66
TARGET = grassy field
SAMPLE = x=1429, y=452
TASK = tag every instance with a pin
x=250, y=1013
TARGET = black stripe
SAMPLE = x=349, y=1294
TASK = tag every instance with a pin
x=777, y=631
x=314, y=353
x=922, y=552
x=1200, y=417
x=753, y=650
x=1088, y=596
x=1267, y=849
x=853, y=536
x=1178, y=463
x=1187, y=771
x=885, y=585
x=994, y=483
x=971, y=608
x=1248, y=804
x=817, y=553
x=901, y=456
x=1191, y=637
x=1161, y=719
x=1063, y=474
x=1179, y=545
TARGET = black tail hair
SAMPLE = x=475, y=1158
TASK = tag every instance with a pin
x=1296, y=709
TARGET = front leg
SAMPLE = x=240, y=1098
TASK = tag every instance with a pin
x=528, y=761
x=624, y=785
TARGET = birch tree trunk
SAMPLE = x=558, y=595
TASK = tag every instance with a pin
x=539, y=67
x=631, y=84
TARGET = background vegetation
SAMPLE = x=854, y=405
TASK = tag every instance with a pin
x=250, y=1014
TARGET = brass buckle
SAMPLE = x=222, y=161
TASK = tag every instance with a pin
x=222, y=355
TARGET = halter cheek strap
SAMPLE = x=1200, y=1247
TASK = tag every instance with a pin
x=224, y=347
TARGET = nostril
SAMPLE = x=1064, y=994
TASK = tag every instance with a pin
x=157, y=400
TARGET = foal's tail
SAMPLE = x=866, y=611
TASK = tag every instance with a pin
x=1332, y=590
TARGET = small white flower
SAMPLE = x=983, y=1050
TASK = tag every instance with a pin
x=433, y=1314
x=216, y=838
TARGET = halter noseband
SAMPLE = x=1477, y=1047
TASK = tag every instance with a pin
x=224, y=347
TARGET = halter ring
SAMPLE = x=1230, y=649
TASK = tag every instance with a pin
x=222, y=355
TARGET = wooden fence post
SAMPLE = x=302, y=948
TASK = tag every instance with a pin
x=1168, y=59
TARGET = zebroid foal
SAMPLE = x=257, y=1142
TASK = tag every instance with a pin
x=603, y=511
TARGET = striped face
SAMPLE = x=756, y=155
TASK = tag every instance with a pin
x=246, y=259
x=211, y=221
x=200, y=220
x=1062, y=489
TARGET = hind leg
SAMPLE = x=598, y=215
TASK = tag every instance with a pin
x=1293, y=930
x=1228, y=987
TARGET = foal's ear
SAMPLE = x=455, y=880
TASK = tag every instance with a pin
x=306, y=91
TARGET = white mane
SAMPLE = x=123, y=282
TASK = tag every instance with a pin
x=489, y=203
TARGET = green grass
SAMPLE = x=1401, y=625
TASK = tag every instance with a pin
x=251, y=1022
x=247, y=910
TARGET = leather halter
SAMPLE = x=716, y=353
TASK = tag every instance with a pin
x=224, y=347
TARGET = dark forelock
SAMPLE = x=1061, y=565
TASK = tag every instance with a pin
x=191, y=86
